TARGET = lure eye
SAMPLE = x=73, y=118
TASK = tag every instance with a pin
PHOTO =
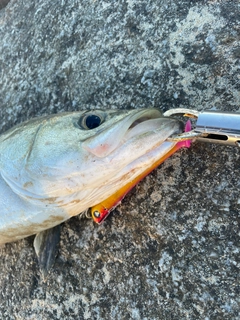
x=90, y=121
x=96, y=214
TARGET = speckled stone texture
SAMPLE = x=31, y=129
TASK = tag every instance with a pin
x=171, y=250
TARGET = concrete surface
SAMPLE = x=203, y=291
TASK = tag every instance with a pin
x=171, y=250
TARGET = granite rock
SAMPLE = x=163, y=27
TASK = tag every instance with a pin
x=171, y=250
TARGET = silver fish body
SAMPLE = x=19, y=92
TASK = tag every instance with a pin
x=53, y=168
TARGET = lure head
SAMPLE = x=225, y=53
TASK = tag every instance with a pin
x=99, y=213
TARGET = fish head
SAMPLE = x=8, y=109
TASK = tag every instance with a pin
x=81, y=157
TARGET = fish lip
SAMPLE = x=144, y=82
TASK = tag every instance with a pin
x=143, y=118
x=147, y=114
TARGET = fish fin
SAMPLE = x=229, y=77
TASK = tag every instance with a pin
x=46, y=245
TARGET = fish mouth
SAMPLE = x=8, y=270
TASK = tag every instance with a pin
x=151, y=128
x=147, y=122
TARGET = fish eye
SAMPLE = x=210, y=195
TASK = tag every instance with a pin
x=90, y=121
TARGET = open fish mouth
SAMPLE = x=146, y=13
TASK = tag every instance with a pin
x=146, y=125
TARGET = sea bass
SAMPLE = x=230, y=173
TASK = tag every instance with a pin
x=55, y=167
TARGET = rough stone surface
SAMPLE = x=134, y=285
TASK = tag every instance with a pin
x=3, y=3
x=171, y=250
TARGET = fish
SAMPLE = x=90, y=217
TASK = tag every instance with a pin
x=55, y=167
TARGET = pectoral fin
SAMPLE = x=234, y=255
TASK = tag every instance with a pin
x=46, y=245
